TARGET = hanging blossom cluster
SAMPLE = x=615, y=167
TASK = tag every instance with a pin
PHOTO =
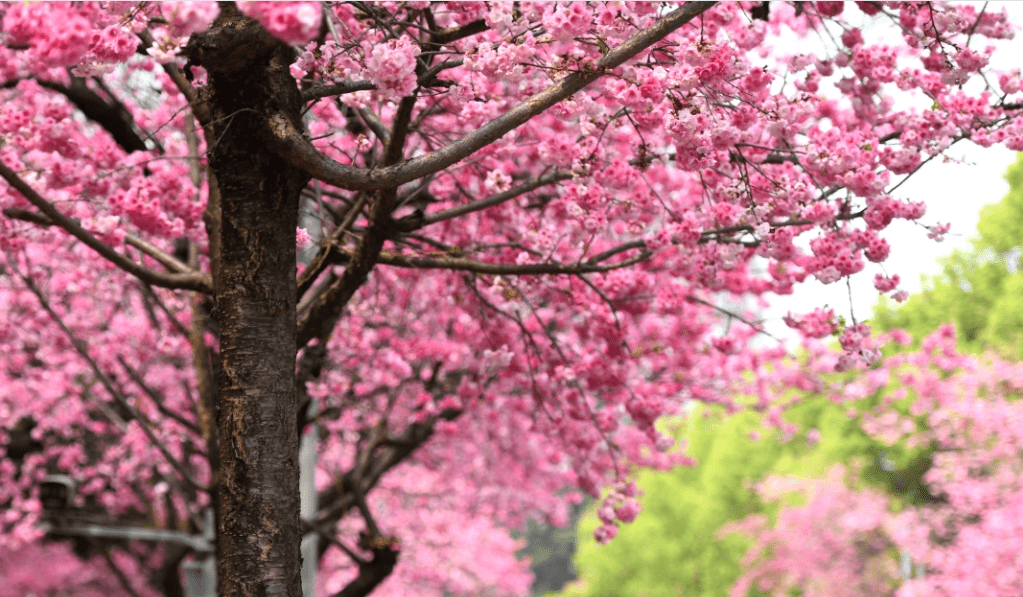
x=544, y=299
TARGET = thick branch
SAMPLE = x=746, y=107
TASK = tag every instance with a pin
x=189, y=281
x=113, y=116
x=371, y=573
x=428, y=77
x=341, y=88
x=495, y=199
x=295, y=148
x=451, y=34
x=505, y=269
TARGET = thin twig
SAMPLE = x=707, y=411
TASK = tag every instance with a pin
x=755, y=325
x=157, y=400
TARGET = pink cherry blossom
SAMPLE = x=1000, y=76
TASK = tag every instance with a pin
x=392, y=66
x=963, y=543
x=293, y=22
x=187, y=18
x=538, y=230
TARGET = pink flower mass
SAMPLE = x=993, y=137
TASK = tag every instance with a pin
x=964, y=542
x=537, y=229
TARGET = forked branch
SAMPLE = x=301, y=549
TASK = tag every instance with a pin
x=293, y=146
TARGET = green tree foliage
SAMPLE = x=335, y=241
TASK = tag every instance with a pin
x=673, y=548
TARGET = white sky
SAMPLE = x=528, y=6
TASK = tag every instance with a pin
x=953, y=192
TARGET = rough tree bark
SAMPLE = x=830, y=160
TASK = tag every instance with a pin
x=253, y=263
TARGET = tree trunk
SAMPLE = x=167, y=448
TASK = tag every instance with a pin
x=253, y=262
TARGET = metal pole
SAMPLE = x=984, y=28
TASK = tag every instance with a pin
x=201, y=577
x=307, y=492
x=201, y=574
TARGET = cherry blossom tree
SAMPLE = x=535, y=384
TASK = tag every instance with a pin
x=849, y=552
x=522, y=228
x=677, y=540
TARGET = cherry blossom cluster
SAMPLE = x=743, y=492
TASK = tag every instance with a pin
x=432, y=513
x=291, y=22
x=67, y=574
x=389, y=64
x=818, y=324
x=619, y=505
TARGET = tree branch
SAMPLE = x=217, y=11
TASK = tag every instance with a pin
x=320, y=261
x=114, y=117
x=709, y=235
x=451, y=34
x=505, y=269
x=371, y=573
x=341, y=88
x=373, y=123
x=169, y=261
x=137, y=378
x=147, y=292
x=143, y=245
x=326, y=310
x=636, y=244
x=753, y=324
x=122, y=401
x=199, y=108
x=294, y=147
x=427, y=77
x=495, y=199
x=197, y=281
x=121, y=577
x=339, y=498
